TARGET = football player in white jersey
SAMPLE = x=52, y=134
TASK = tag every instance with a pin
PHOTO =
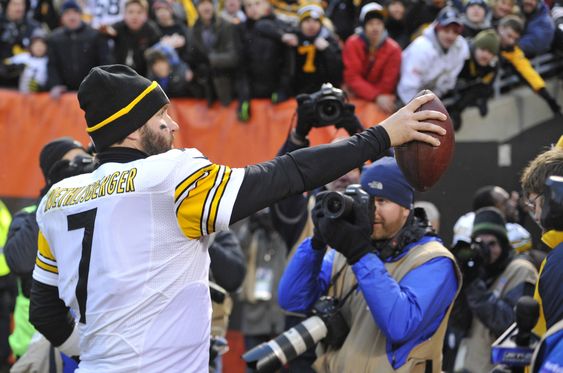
x=121, y=276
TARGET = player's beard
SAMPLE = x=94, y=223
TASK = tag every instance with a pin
x=154, y=142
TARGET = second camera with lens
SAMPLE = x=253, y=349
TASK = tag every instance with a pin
x=328, y=103
x=471, y=256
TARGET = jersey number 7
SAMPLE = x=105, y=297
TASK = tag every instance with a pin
x=86, y=220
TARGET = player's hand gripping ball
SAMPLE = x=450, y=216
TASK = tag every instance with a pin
x=423, y=164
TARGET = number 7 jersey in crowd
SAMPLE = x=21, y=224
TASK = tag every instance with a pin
x=126, y=247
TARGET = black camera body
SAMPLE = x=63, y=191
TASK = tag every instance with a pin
x=339, y=205
x=328, y=104
x=328, y=309
x=471, y=256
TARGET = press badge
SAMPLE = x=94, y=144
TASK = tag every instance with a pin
x=264, y=282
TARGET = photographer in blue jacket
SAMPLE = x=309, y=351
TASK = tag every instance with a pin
x=392, y=278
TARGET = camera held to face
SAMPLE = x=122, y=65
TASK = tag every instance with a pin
x=326, y=323
x=338, y=205
x=328, y=104
x=471, y=256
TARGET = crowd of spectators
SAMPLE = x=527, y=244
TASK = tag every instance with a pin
x=225, y=50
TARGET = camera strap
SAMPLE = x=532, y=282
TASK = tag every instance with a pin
x=333, y=281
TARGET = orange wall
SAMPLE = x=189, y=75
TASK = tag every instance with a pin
x=27, y=122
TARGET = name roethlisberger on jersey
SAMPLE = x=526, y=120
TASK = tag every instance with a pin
x=117, y=183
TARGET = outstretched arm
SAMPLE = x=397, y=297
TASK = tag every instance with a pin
x=306, y=169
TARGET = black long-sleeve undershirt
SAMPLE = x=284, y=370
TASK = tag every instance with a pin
x=305, y=169
x=48, y=314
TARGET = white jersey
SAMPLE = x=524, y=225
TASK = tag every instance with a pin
x=425, y=65
x=105, y=12
x=126, y=246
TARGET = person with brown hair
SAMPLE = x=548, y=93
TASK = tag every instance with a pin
x=548, y=290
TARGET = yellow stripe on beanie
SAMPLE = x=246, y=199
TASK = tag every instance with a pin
x=124, y=110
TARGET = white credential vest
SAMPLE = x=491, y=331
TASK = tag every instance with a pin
x=126, y=246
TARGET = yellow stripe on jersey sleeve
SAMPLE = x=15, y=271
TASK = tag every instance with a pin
x=44, y=248
x=190, y=212
x=47, y=267
x=190, y=180
x=217, y=199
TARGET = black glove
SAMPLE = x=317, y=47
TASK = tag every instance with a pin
x=306, y=116
x=553, y=105
x=351, y=238
x=349, y=121
x=317, y=241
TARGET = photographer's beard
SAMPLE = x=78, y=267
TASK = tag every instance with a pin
x=155, y=142
x=389, y=219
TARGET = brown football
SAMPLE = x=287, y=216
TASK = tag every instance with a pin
x=421, y=163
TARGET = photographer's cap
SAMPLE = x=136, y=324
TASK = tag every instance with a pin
x=55, y=151
x=384, y=179
x=116, y=101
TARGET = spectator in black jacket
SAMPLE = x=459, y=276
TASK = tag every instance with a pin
x=15, y=36
x=395, y=23
x=344, y=17
x=264, y=57
x=212, y=54
x=474, y=84
x=171, y=29
x=317, y=57
x=73, y=49
x=134, y=35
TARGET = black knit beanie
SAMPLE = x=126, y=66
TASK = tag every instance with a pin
x=55, y=151
x=489, y=220
x=116, y=101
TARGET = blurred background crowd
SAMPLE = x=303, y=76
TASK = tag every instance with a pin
x=224, y=51
x=237, y=50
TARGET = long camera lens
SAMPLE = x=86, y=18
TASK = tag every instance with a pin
x=337, y=205
x=272, y=355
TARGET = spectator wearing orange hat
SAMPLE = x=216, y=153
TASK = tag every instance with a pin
x=372, y=60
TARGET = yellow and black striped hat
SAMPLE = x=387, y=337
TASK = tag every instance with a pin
x=310, y=10
x=116, y=101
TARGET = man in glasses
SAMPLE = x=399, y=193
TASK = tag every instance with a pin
x=549, y=289
x=493, y=289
